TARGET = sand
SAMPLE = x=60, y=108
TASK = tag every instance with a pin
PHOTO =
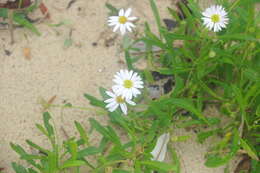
x=67, y=73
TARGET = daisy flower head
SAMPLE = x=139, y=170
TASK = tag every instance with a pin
x=127, y=84
x=123, y=21
x=215, y=18
x=116, y=101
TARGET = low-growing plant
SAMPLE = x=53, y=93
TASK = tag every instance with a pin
x=16, y=14
x=210, y=69
x=112, y=155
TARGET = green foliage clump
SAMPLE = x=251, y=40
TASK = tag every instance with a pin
x=210, y=69
x=19, y=16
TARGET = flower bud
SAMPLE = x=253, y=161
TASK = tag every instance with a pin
x=212, y=54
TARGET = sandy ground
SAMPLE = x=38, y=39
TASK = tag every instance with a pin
x=67, y=73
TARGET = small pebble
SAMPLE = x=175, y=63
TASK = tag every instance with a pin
x=158, y=76
x=7, y=52
x=170, y=24
x=167, y=87
x=154, y=91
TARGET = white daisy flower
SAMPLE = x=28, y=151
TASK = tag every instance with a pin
x=117, y=100
x=123, y=21
x=127, y=84
x=215, y=18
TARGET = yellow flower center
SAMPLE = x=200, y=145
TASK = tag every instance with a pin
x=215, y=18
x=120, y=99
x=128, y=84
x=122, y=19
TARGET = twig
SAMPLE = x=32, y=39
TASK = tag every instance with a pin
x=64, y=132
x=241, y=127
x=10, y=22
x=70, y=4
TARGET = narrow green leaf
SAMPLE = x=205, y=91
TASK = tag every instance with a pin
x=115, y=137
x=156, y=14
x=175, y=159
x=72, y=163
x=216, y=161
x=202, y=136
x=47, y=125
x=152, y=40
x=174, y=36
x=23, y=155
x=128, y=60
x=53, y=161
x=37, y=147
x=120, y=171
x=250, y=151
x=174, y=14
x=210, y=91
x=159, y=166
x=237, y=37
x=18, y=168
x=42, y=129
x=188, y=105
x=20, y=19
x=179, y=85
x=94, y=101
x=255, y=166
x=113, y=10
x=102, y=130
x=102, y=92
x=82, y=132
x=73, y=149
x=88, y=151
x=31, y=170
x=67, y=42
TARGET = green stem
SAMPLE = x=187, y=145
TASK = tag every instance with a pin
x=109, y=163
x=233, y=5
x=99, y=111
x=20, y=3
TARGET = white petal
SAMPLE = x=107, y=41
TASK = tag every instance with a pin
x=131, y=25
x=118, y=81
x=136, y=91
x=112, y=23
x=110, y=94
x=206, y=14
x=121, y=12
x=211, y=25
x=112, y=109
x=111, y=104
x=128, y=12
x=122, y=29
x=117, y=89
x=131, y=102
x=131, y=18
x=109, y=100
x=122, y=74
x=118, y=78
x=131, y=74
x=127, y=94
x=116, y=28
x=160, y=149
x=134, y=76
x=128, y=28
x=123, y=108
x=113, y=18
x=125, y=73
